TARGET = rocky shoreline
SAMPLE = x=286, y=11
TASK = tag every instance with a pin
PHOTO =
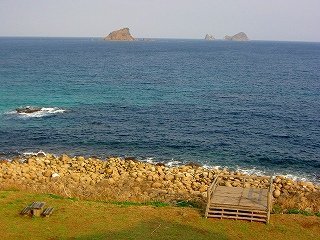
x=116, y=179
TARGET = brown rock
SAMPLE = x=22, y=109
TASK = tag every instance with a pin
x=81, y=159
x=25, y=169
x=156, y=185
x=160, y=164
x=65, y=158
x=169, y=177
x=41, y=155
x=276, y=193
x=134, y=174
x=193, y=165
x=47, y=173
x=139, y=179
x=3, y=161
x=119, y=35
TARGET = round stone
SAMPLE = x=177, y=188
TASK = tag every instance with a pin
x=276, y=193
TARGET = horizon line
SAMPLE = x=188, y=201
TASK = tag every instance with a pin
x=168, y=38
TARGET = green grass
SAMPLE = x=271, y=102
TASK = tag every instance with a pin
x=281, y=228
x=277, y=210
x=4, y=194
x=54, y=196
x=293, y=211
x=73, y=198
x=155, y=203
x=303, y=212
x=128, y=220
x=193, y=204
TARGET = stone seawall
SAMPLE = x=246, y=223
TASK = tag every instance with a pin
x=116, y=179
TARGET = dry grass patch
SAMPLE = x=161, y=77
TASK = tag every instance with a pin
x=309, y=203
x=122, y=190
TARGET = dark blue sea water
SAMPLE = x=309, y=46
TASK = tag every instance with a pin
x=250, y=106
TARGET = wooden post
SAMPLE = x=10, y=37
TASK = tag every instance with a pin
x=269, y=200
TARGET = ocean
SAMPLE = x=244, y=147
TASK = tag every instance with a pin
x=251, y=106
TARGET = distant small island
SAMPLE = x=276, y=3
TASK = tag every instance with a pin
x=209, y=37
x=120, y=35
x=241, y=36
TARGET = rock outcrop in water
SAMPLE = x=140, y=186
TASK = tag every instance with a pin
x=241, y=36
x=120, y=35
x=28, y=109
x=209, y=37
x=227, y=38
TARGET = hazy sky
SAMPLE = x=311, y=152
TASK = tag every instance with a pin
x=293, y=20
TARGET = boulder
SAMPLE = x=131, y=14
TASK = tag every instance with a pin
x=276, y=193
x=156, y=185
x=47, y=173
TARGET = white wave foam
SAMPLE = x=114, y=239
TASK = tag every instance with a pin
x=260, y=172
x=34, y=153
x=252, y=171
x=149, y=160
x=209, y=167
x=173, y=163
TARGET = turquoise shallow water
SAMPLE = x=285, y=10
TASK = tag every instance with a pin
x=249, y=106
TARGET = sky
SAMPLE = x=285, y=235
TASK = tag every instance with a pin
x=281, y=20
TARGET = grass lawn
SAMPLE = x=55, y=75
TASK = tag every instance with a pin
x=73, y=219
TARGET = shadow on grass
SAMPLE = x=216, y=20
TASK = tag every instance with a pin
x=158, y=230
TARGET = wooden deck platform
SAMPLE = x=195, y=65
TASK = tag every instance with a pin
x=253, y=204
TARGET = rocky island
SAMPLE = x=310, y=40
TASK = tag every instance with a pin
x=209, y=37
x=241, y=36
x=120, y=35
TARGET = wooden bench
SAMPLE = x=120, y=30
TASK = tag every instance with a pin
x=26, y=210
x=48, y=212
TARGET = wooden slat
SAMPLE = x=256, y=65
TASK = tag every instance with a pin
x=237, y=213
x=255, y=198
x=252, y=204
x=26, y=210
x=37, y=205
x=238, y=218
x=48, y=211
x=242, y=208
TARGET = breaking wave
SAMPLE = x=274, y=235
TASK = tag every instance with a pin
x=37, y=113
